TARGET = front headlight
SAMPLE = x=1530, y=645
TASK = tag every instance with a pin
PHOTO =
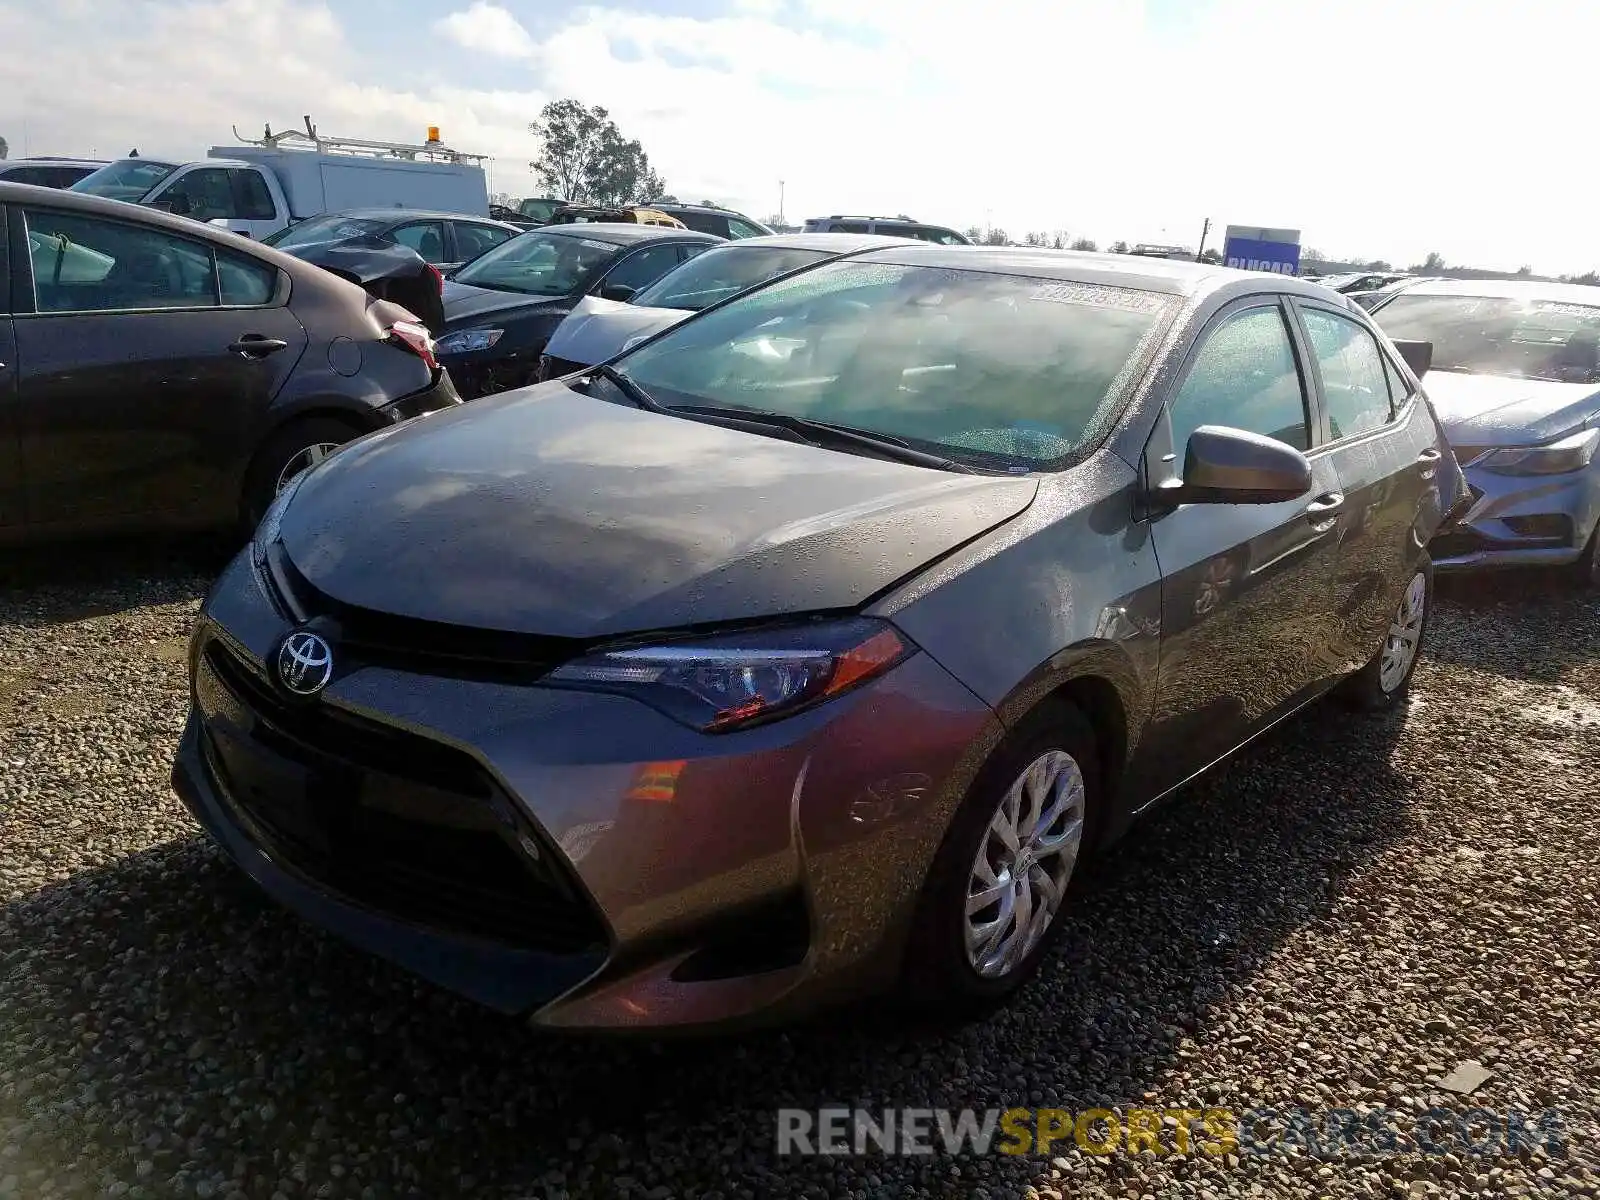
x=1571, y=453
x=465, y=341
x=735, y=680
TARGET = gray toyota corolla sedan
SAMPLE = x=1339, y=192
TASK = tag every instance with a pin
x=813, y=644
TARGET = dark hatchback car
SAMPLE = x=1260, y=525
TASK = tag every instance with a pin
x=810, y=645
x=501, y=310
x=159, y=374
x=440, y=239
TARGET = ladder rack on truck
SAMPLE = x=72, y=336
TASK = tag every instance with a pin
x=310, y=141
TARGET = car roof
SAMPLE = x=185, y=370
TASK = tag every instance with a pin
x=1509, y=289
x=1170, y=276
x=411, y=214
x=623, y=233
x=830, y=243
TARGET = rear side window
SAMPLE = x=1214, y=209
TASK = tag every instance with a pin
x=643, y=267
x=244, y=280
x=1244, y=377
x=1355, y=387
x=425, y=237
x=849, y=227
x=742, y=229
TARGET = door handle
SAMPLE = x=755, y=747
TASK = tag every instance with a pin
x=253, y=345
x=1323, y=510
x=1428, y=460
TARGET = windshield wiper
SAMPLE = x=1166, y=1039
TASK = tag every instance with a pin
x=630, y=389
x=821, y=433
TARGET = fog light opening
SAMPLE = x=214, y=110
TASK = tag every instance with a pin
x=770, y=937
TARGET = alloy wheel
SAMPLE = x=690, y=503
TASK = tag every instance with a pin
x=307, y=458
x=1024, y=863
x=1405, y=632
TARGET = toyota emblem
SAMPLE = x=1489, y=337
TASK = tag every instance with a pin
x=305, y=663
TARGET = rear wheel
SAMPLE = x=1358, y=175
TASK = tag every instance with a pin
x=994, y=898
x=296, y=447
x=1384, y=681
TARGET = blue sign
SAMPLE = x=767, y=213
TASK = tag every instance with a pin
x=1248, y=254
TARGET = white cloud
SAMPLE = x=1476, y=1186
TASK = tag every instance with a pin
x=487, y=28
x=1382, y=127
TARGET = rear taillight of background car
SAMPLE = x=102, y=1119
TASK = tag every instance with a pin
x=414, y=337
x=438, y=276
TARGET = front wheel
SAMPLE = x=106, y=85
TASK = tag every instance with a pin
x=1384, y=681
x=995, y=894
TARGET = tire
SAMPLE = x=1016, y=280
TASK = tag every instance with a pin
x=1384, y=681
x=275, y=459
x=942, y=974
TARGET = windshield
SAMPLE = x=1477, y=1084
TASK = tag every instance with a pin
x=994, y=370
x=126, y=179
x=324, y=229
x=539, y=210
x=1492, y=335
x=717, y=274
x=540, y=264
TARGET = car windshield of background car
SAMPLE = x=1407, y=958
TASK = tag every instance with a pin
x=994, y=370
x=323, y=229
x=718, y=274
x=1491, y=335
x=539, y=264
x=131, y=179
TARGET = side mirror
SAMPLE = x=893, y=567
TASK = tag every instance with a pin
x=1418, y=356
x=1232, y=466
x=617, y=291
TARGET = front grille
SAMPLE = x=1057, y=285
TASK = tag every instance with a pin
x=368, y=637
x=389, y=820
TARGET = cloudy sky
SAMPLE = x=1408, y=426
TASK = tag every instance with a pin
x=1381, y=128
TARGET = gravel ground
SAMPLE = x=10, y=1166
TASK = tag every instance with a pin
x=1335, y=920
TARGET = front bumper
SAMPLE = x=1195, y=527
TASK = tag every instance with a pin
x=708, y=879
x=1517, y=521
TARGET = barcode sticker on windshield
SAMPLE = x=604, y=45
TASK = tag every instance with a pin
x=1097, y=297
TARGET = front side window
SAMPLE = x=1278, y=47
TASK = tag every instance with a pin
x=86, y=264
x=1244, y=377
x=643, y=267
x=205, y=195
x=540, y=264
x=539, y=210
x=998, y=370
x=1355, y=387
x=128, y=179
x=425, y=237
x=1523, y=338
x=723, y=272
x=743, y=229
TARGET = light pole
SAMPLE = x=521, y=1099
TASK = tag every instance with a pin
x=781, y=220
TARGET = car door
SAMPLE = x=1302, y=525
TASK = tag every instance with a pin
x=143, y=357
x=1245, y=589
x=639, y=268
x=1383, y=448
x=12, y=504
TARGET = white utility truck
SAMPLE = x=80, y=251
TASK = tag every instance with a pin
x=256, y=188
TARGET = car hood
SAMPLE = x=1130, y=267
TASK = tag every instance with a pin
x=543, y=511
x=466, y=307
x=597, y=329
x=1498, y=410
